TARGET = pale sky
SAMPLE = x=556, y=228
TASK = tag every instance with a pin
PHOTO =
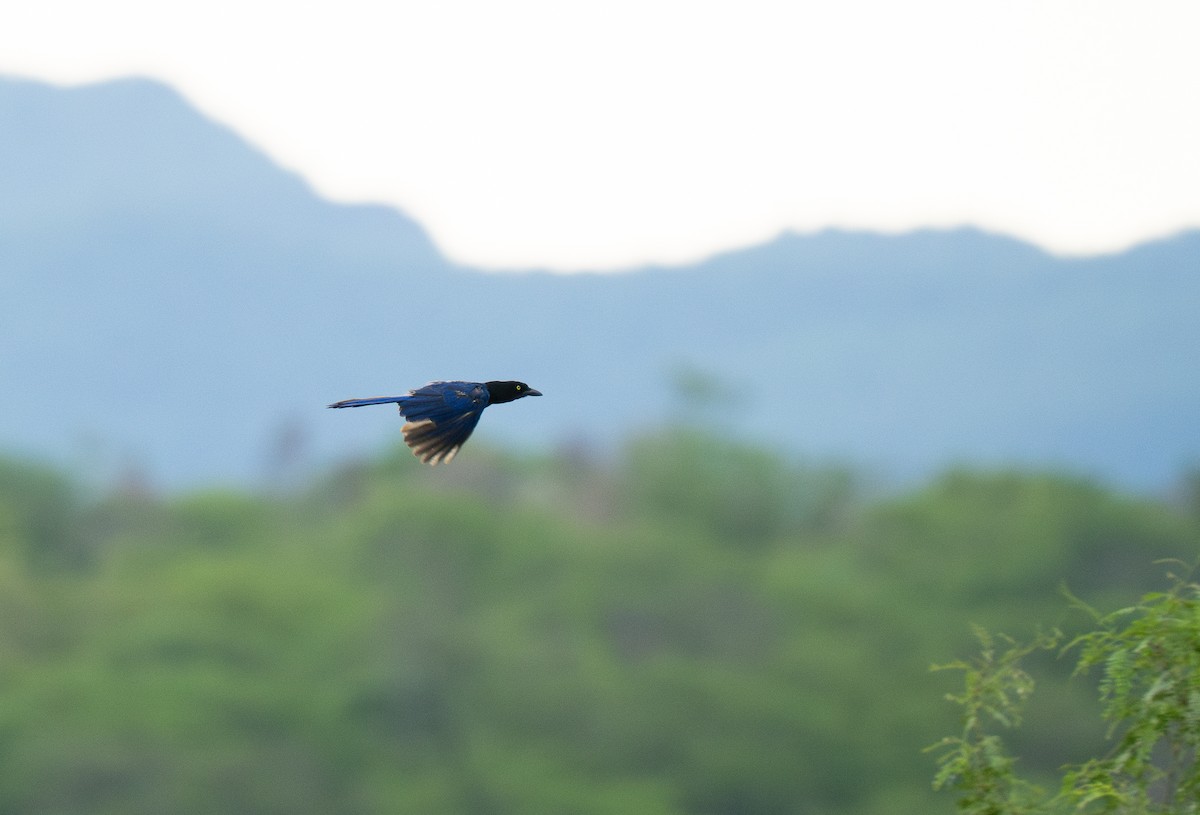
x=604, y=134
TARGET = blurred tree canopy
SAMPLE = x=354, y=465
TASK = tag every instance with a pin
x=696, y=628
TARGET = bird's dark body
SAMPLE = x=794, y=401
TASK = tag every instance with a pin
x=441, y=415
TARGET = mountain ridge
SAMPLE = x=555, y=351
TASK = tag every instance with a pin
x=213, y=299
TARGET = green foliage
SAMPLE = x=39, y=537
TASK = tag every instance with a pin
x=1149, y=656
x=38, y=509
x=1149, y=660
x=1026, y=524
x=977, y=762
x=745, y=495
x=697, y=628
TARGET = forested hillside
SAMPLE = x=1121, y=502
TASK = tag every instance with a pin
x=692, y=627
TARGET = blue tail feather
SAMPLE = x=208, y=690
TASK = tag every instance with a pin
x=375, y=400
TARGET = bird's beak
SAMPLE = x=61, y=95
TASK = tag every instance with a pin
x=532, y=392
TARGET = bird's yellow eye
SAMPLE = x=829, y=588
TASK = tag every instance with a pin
x=518, y=387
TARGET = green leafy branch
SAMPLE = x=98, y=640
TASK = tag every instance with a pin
x=1149, y=658
x=977, y=762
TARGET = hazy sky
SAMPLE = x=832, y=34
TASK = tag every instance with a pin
x=599, y=134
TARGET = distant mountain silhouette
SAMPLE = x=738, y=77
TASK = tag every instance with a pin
x=173, y=298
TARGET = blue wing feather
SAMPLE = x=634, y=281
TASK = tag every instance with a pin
x=442, y=401
x=435, y=443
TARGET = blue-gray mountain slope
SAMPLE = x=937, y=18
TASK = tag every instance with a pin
x=171, y=297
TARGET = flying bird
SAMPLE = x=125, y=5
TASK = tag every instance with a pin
x=441, y=415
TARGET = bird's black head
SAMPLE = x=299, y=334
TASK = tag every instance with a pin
x=499, y=392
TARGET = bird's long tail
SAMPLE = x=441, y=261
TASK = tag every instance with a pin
x=374, y=400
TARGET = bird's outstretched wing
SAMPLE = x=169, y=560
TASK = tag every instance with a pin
x=437, y=443
x=441, y=416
